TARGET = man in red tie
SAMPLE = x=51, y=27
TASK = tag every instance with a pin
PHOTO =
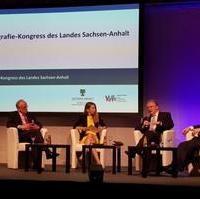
x=28, y=126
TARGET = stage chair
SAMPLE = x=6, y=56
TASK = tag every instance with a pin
x=167, y=140
x=189, y=136
x=13, y=147
x=77, y=147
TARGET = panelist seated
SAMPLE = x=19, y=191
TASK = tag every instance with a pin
x=153, y=125
x=28, y=127
x=89, y=125
x=186, y=152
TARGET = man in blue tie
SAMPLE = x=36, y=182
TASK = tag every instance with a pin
x=153, y=125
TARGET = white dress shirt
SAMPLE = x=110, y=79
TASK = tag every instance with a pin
x=154, y=118
x=23, y=118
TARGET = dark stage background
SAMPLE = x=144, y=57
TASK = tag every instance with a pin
x=170, y=58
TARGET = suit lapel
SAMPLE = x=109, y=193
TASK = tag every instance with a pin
x=159, y=116
x=29, y=118
x=18, y=118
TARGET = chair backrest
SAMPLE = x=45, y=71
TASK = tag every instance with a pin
x=75, y=136
x=12, y=146
x=137, y=135
x=168, y=138
x=102, y=136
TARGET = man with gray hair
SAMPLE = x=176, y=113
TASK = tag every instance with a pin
x=153, y=125
x=28, y=127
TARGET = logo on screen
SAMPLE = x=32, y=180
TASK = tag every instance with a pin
x=110, y=98
x=82, y=92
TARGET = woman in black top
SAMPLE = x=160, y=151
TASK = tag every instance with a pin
x=89, y=126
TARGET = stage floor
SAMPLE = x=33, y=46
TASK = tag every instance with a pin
x=76, y=183
x=76, y=175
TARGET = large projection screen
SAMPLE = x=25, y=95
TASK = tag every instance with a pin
x=57, y=59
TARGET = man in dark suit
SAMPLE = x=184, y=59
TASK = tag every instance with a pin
x=153, y=125
x=28, y=127
x=26, y=123
x=186, y=152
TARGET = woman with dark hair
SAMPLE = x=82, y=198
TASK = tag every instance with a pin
x=89, y=126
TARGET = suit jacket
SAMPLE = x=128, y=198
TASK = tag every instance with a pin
x=82, y=121
x=196, y=126
x=165, y=119
x=14, y=119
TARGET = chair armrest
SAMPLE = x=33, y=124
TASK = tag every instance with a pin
x=137, y=136
x=12, y=135
x=103, y=135
x=43, y=131
x=74, y=136
x=12, y=139
x=168, y=138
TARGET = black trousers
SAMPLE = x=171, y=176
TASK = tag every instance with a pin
x=151, y=137
x=186, y=151
x=25, y=136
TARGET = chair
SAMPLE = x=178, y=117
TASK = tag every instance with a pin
x=77, y=147
x=167, y=140
x=14, y=147
x=190, y=136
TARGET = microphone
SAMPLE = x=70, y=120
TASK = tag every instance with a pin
x=143, y=119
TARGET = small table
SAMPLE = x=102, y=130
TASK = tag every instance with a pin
x=146, y=151
x=41, y=147
x=116, y=154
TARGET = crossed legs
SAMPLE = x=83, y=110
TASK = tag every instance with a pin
x=91, y=139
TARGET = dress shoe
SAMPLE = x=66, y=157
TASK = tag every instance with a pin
x=51, y=155
x=35, y=168
x=168, y=169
